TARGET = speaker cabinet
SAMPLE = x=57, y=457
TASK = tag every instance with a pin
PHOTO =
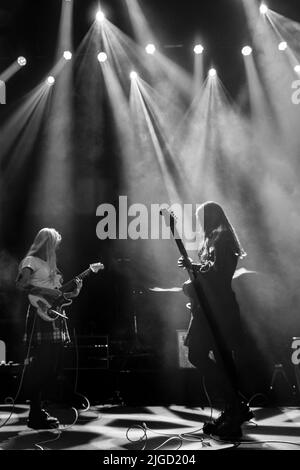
x=87, y=352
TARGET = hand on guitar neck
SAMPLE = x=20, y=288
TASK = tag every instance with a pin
x=186, y=263
x=76, y=291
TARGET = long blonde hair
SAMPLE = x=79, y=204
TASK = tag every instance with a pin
x=47, y=239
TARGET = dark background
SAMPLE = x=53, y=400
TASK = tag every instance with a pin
x=107, y=304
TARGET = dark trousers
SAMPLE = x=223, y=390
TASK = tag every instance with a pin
x=43, y=371
x=217, y=385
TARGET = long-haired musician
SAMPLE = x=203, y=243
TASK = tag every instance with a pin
x=214, y=336
x=39, y=275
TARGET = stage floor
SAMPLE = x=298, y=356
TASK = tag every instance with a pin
x=149, y=428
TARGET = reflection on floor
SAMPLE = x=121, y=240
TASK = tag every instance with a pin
x=148, y=428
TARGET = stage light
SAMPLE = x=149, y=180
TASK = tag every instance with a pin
x=22, y=61
x=133, y=75
x=297, y=68
x=212, y=72
x=282, y=46
x=100, y=17
x=247, y=50
x=263, y=9
x=198, y=49
x=68, y=55
x=102, y=57
x=50, y=80
x=150, y=48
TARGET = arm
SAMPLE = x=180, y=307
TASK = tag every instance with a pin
x=223, y=260
x=23, y=283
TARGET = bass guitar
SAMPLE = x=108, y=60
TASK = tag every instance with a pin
x=50, y=303
x=170, y=220
x=197, y=294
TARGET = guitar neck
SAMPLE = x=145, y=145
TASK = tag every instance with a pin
x=182, y=249
x=69, y=284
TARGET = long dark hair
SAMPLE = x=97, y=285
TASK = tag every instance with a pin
x=215, y=223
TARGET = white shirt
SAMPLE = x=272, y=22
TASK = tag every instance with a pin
x=40, y=273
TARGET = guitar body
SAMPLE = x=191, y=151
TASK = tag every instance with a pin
x=189, y=290
x=47, y=310
x=51, y=303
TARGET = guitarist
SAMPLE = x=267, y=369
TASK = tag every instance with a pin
x=38, y=273
x=214, y=336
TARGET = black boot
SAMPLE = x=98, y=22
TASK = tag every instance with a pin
x=40, y=419
x=228, y=424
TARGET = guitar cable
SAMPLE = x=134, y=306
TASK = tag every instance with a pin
x=77, y=372
x=10, y=400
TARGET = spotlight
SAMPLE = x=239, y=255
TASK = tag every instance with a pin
x=282, y=46
x=50, y=80
x=100, y=17
x=133, y=75
x=68, y=55
x=102, y=57
x=198, y=49
x=150, y=48
x=263, y=9
x=212, y=72
x=22, y=61
x=247, y=50
x=297, y=68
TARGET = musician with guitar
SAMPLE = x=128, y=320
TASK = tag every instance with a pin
x=46, y=326
x=214, y=337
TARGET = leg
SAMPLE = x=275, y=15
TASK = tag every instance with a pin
x=236, y=411
x=42, y=372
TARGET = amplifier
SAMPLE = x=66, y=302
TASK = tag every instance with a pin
x=10, y=375
x=2, y=352
x=183, y=360
x=87, y=352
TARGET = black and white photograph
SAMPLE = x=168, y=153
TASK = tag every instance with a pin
x=149, y=229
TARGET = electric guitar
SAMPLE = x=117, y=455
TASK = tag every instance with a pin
x=50, y=303
x=170, y=220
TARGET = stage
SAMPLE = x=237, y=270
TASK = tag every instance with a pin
x=149, y=428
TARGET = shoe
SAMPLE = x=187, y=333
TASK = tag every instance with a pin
x=242, y=413
x=229, y=430
x=42, y=420
x=210, y=427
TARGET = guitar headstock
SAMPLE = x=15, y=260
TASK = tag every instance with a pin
x=171, y=220
x=170, y=217
x=95, y=267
